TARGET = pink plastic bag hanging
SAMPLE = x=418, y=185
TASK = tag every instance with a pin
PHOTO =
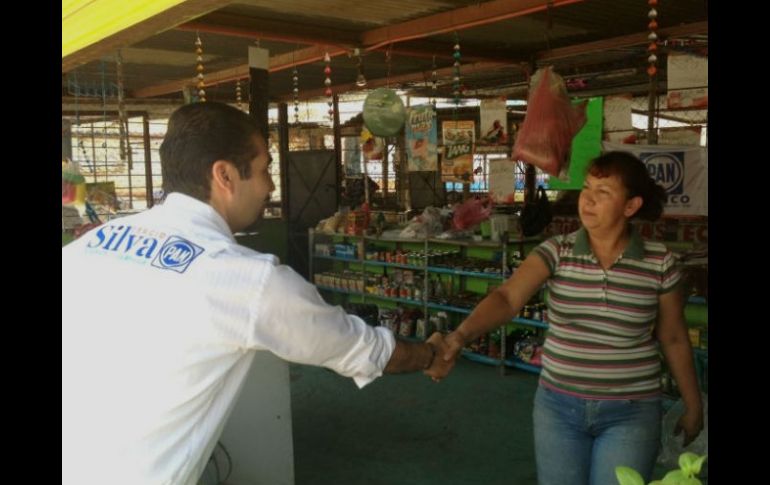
x=470, y=213
x=551, y=122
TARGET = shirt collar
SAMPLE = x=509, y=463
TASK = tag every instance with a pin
x=634, y=250
x=198, y=211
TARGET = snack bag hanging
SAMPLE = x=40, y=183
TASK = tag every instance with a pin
x=73, y=185
x=551, y=122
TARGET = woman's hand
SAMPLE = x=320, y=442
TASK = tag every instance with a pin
x=691, y=423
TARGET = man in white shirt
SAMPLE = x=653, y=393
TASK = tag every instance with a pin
x=162, y=312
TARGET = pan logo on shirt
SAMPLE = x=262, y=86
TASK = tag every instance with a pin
x=141, y=245
x=176, y=254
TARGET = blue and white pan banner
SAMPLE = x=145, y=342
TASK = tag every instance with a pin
x=681, y=170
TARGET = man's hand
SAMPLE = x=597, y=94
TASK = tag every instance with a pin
x=691, y=423
x=447, y=349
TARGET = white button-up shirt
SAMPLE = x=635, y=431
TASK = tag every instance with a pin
x=161, y=314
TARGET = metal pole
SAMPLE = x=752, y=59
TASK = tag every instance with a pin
x=337, y=146
x=652, y=134
x=125, y=145
x=147, y=161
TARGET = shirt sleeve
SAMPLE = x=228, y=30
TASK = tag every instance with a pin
x=671, y=273
x=548, y=251
x=291, y=320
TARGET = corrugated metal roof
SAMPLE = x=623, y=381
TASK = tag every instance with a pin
x=345, y=12
x=526, y=40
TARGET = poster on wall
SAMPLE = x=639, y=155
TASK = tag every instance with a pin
x=351, y=156
x=681, y=170
x=457, y=163
x=421, y=139
x=502, y=180
x=493, y=122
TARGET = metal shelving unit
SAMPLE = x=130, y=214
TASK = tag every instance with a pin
x=361, y=260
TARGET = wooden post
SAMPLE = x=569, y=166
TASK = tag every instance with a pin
x=258, y=88
x=283, y=155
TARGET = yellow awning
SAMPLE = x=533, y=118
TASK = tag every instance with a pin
x=85, y=22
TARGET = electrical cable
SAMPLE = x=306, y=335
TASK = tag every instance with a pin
x=229, y=461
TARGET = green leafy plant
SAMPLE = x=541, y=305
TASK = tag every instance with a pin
x=689, y=467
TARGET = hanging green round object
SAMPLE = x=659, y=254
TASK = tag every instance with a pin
x=384, y=112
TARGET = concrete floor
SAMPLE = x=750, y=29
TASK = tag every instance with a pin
x=475, y=427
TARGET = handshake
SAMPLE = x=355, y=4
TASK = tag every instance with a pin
x=445, y=352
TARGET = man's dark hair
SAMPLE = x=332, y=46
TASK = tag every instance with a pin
x=198, y=135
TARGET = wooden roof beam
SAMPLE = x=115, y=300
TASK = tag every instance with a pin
x=277, y=63
x=457, y=19
x=263, y=29
x=403, y=78
x=622, y=41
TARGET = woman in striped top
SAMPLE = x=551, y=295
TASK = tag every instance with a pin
x=613, y=303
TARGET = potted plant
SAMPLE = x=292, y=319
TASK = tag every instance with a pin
x=689, y=467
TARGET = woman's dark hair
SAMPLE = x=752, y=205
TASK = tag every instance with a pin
x=633, y=174
x=198, y=135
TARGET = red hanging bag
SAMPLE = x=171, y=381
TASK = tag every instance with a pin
x=551, y=122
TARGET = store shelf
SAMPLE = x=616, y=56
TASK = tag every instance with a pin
x=465, y=277
x=702, y=353
x=336, y=234
x=338, y=290
x=371, y=262
x=518, y=364
x=410, y=339
x=337, y=258
x=457, y=272
x=393, y=239
x=436, y=306
x=482, y=244
x=515, y=363
x=391, y=298
x=531, y=323
x=482, y=359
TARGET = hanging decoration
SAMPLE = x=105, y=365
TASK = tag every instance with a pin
x=295, y=83
x=199, y=68
x=456, y=77
x=360, y=78
x=388, y=58
x=104, y=117
x=434, y=82
x=328, y=84
x=124, y=133
x=384, y=112
x=238, y=94
x=652, y=59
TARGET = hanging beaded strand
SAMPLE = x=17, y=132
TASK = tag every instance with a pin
x=434, y=82
x=652, y=59
x=328, y=84
x=238, y=94
x=199, y=53
x=295, y=81
x=456, y=77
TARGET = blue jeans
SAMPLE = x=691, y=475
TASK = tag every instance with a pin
x=581, y=441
